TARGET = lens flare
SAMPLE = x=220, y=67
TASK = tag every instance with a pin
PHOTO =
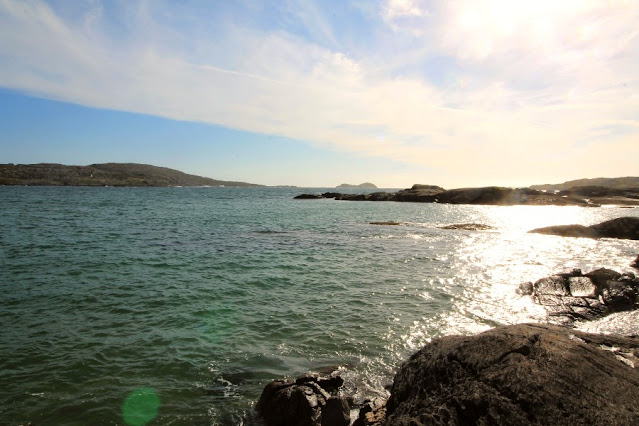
x=140, y=407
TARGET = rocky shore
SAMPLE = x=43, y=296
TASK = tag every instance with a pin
x=493, y=195
x=524, y=374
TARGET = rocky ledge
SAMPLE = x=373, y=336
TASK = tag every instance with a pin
x=622, y=227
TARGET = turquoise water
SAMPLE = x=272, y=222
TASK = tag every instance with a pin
x=176, y=305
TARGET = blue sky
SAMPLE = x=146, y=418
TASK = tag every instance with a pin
x=317, y=93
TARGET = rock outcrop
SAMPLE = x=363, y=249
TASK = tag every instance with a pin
x=491, y=195
x=310, y=400
x=574, y=296
x=622, y=228
x=523, y=374
x=468, y=227
x=635, y=264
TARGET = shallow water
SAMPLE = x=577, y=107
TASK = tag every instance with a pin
x=191, y=299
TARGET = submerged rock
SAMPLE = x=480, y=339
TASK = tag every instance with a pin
x=468, y=227
x=519, y=375
x=310, y=400
x=622, y=228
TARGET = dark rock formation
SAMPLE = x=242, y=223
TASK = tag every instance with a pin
x=574, y=296
x=310, y=400
x=622, y=227
x=309, y=197
x=519, y=375
x=635, y=264
x=468, y=227
x=387, y=223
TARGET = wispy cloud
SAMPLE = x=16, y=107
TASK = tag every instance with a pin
x=532, y=81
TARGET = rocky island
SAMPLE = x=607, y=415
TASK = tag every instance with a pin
x=107, y=174
x=361, y=185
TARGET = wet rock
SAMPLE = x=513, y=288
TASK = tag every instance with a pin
x=635, y=264
x=621, y=228
x=391, y=223
x=519, y=375
x=468, y=227
x=372, y=413
x=570, y=297
x=310, y=400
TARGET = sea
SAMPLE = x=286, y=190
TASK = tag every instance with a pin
x=176, y=306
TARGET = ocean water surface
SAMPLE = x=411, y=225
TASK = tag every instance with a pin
x=177, y=305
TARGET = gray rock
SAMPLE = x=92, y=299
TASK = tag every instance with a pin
x=304, y=402
x=570, y=297
x=519, y=375
x=581, y=287
x=551, y=285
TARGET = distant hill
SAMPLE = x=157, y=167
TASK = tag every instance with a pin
x=107, y=174
x=615, y=183
x=361, y=185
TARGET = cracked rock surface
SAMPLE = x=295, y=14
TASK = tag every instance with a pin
x=519, y=375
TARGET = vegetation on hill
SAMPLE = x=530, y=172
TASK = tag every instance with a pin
x=107, y=174
x=629, y=182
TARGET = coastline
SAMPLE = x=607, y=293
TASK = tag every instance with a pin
x=523, y=374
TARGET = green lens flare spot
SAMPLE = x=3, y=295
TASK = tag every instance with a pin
x=140, y=407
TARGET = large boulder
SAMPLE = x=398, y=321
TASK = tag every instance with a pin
x=523, y=374
x=310, y=400
x=622, y=228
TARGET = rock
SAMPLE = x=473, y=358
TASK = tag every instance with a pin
x=372, y=413
x=519, y=375
x=635, y=264
x=525, y=289
x=419, y=194
x=387, y=223
x=573, y=296
x=581, y=287
x=600, y=278
x=555, y=285
x=308, y=197
x=622, y=228
x=310, y=400
x=468, y=227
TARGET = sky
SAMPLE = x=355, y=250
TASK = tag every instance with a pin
x=322, y=92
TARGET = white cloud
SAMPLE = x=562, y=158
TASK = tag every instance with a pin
x=522, y=103
x=401, y=8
